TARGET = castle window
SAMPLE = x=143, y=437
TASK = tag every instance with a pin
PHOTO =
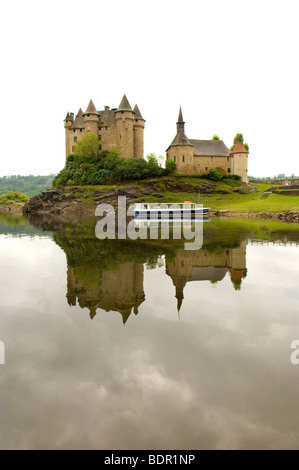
x=75, y=139
x=228, y=170
x=183, y=158
x=73, y=147
x=80, y=130
x=174, y=158
x=228, y=159
x=100, y=137
x=212, y=158
x=206, y=168
x=106, y=128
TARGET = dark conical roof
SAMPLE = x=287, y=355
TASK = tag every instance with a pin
x=67, y=117
x=124, y=105
x=79, y=121
x=137, y=112
x=91, y=109
x=181, y=139
x=180, y=118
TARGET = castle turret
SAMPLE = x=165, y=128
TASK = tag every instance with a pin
x=91, y=119
x=138, y=131
x=68, y=124
x=240, y=160
x=124, y=120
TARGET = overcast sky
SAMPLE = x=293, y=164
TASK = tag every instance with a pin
x=231, y=65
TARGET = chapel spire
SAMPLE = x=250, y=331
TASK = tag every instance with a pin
x=180, y=125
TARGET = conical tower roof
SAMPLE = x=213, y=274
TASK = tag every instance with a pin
x=124, y=105
x=180, y=118
x=239, y=147
x=91, y=109
x=67, y=117
x=137, y=112
x=181, y=139
x=79, y=121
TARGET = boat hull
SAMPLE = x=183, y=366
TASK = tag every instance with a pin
x=171, y=214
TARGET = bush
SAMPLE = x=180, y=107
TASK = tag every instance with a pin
x=13, y=197
x=217, y=174
x=214, y=175
x=170, y=167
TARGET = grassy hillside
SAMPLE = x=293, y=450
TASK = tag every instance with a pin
x=218, y=195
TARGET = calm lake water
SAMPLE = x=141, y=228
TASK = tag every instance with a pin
x=144, y=345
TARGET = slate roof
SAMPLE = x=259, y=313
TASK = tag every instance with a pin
x=79, y=121
x=181, y=139
x=212, y=148
x=137, y=112
x=91, y=109
x=124, y=105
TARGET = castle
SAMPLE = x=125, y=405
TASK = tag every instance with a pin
x=117, y=128
x=199, y=156
x=122, y=128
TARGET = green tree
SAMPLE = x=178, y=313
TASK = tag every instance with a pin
x=215, y=137
x=88, y=146
x=153, y=165
x=240, y=136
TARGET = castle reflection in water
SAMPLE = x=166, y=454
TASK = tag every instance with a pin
x=121, y=288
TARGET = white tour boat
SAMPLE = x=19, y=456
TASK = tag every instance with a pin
x=166, y=211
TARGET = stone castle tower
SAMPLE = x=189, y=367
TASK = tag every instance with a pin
x=199, y=156
x=119, y=128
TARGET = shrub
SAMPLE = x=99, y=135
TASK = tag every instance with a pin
x=13, y=197
x=214, y=175
x=170, y=167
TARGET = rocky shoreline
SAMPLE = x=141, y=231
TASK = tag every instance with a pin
x=77, y=202
x=285, y=216
x=11, y=209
